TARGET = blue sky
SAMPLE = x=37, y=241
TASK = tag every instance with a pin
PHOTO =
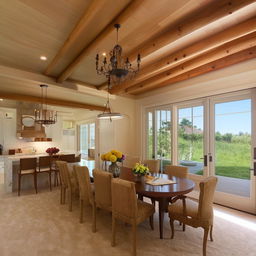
x=230, y=117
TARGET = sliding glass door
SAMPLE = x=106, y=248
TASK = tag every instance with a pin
x=211, y=136
x=87, y=138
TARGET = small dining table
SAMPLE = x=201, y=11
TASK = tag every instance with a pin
x=160, y=193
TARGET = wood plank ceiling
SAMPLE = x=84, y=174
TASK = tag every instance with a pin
x=177, y=40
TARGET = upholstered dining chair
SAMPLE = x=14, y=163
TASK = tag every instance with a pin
x=27, y=167
x=67, y=183
x=130, y=161
x=102, y=190
x=175, y=170
x=153, y=165
x=70, y=158
x=127, y=208
x=86, y=189
x=196, y=214
x=45, y=166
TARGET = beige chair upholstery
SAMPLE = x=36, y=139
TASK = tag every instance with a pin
x=128, y=209
x=153, y=165
x=196, y=214
x=178, y=171
x=130, y=161
x=67, y=183
x=102, y=190
x=86, y=189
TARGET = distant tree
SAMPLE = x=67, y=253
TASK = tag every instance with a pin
x=218, y=136
x=227, y=137
x=185, y=122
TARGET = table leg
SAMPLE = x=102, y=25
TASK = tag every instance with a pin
x=163, y=206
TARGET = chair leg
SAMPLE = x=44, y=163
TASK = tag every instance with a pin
x=206, y=231
x=183, y=227
x=19, y=182
x=61, y=195
x=151, y=221
x=50, y=180
x=35, y=181
x=94, y=218
x=134, y=238
x=70, y=200
x=172, y=228
x=64, y=195
x=211, y=236
x=81, y=210
x=113, y=240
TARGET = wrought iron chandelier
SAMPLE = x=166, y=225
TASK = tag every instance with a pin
x=107, y=113
x=43, y=115
x=117, y=69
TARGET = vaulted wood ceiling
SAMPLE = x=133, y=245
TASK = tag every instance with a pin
x=177, y=40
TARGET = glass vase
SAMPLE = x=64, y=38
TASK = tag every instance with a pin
x=114, y=169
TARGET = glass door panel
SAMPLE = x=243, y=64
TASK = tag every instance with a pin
x=150, y=136
x=163, y=137
x=233, y=146
x=191, y=138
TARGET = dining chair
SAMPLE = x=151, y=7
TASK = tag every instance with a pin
x=86, y=189
x=45, y=166
x=102, y=190
x=27, y=167
x=78, y=158
x=67, y=183
x=130, y=161
x=127, y=208
x=55, y=169
x=153, y=165
x=175, y=170
x=196, y=214
x=69, y=158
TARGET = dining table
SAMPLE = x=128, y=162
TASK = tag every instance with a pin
x=160, y=193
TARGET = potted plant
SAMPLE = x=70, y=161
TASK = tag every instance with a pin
x=139, y=171
x=113, y=156
x=52, y=151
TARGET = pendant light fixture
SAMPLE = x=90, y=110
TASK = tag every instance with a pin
x=43, y=115
x=117, y=69
x=107, y=113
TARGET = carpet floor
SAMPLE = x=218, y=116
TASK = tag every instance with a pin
x=37, y=225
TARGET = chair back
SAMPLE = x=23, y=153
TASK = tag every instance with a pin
x=124, y=200
x=28, y=164
x=78, y=158
x=91, y=153
x=153, y=165
x=70, y=158
x=64, y=173
x=130, y=161
x=84, y=183
x=102, y=186
x=178, y=171
x=207, y=189
x=45, y=162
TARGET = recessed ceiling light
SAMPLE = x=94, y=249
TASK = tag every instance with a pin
x=43, y=58
x=104, y=54
x=1, y=99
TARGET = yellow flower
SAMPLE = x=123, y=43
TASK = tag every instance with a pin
x=107, y=156
x=102, y=157
x=113, y=158
x=113, y=151
x=118, y=154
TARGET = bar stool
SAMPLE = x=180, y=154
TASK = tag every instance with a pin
x=45, y=166
x=27, y=167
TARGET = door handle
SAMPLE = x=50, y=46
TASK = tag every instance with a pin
x=253, y=169
x=205, y=160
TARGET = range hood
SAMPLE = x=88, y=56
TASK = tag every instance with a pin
x=36, y=131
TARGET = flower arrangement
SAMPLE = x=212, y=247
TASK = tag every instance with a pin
x=140, y=169
x=52, y=151
x=113, y=156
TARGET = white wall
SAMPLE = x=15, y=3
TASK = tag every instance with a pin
x=9, y=140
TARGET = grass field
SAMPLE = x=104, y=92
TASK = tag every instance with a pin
x=232, y=159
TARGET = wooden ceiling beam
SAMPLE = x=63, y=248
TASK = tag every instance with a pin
x=121, y=18
x=212, y=66
x=90, y=14
x=190, y=52
x=204, y=17
x=50, y=101
x=227, y=49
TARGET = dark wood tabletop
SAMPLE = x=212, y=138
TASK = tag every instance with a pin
x=160, y=193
